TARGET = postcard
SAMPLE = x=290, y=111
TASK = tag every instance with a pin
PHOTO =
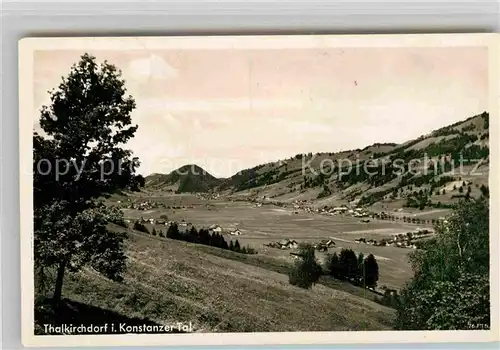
x=246, y=190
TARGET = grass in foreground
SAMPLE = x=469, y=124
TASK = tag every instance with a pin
x=220, y=291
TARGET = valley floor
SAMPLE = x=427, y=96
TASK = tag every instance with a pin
x=260, y=226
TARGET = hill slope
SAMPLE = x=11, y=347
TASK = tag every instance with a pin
x=327, y=178
x=171, y=281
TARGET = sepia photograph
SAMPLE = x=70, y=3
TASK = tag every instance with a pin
x=286, y=189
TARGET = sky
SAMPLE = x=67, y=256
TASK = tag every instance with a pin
x=231, y=109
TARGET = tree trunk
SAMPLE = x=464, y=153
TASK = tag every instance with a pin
x=59, y=283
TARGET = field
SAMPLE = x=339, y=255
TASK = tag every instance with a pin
x=269, y=223
x=169, y=281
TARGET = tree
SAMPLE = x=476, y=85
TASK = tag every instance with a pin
x=361, y=269
x=361, y=258
x=484, y=191
x=80, y=159
x=237, y=246
x=173, y=231
x=139, y=226
x=349, y=264
x=450, y=287
x=333, y=265
x=306, y=272
x=370, y=271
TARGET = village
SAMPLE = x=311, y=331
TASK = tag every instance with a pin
x=400, y=240
x=185, y=226
x=284, y=244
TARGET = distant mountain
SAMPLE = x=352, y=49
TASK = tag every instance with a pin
x=299, y=177
x=188, y=178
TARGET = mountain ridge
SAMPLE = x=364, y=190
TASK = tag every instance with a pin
x=286, y=180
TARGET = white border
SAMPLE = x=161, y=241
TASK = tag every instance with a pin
x=29, y=45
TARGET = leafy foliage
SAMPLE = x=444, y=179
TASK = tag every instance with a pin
x=450, y=288
x=80, y=159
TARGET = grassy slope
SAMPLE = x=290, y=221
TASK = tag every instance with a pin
x=171, y=281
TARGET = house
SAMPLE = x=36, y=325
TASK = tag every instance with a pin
x=284, y=242
x=339, y=209
x=215, y=228
x=236, y=232
x=327, y=243
x=330, y=243
x=296, y=255
x=321, y=247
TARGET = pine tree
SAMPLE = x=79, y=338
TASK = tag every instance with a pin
x=307, y=271
x=173, y=231
x=360, y=272
x=370, y=271
x=348, y=264
x=334, y=265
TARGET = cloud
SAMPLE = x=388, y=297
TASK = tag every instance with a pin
x=153, y=67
